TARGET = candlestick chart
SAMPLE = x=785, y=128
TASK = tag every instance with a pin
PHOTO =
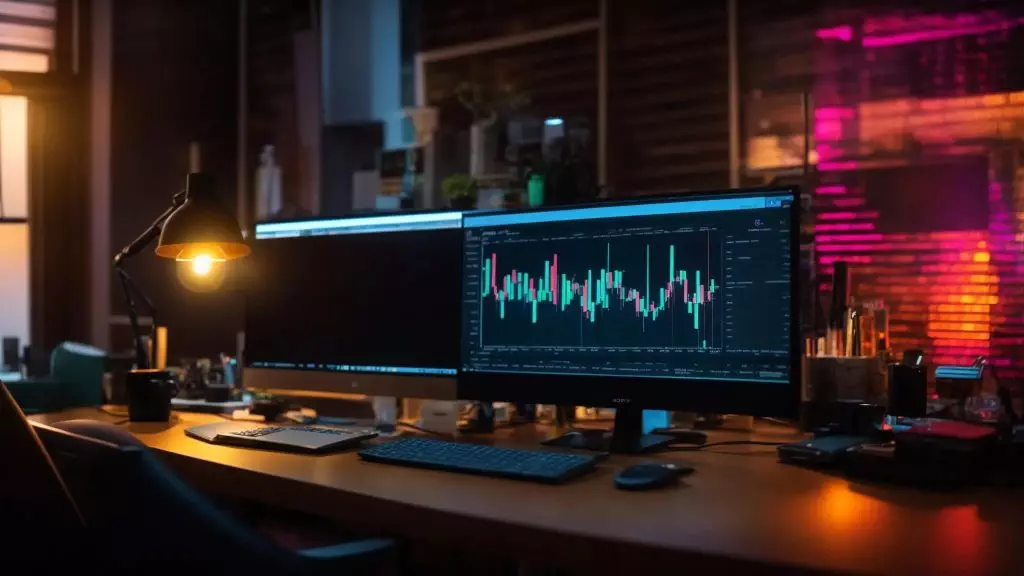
x=627, y=291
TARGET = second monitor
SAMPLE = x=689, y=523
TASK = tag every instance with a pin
x=362, y=304
x=677, y=304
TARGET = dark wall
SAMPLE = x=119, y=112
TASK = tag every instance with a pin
x=174, y=82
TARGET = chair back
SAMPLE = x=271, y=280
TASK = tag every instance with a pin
x=147, y=519
x=40, y=520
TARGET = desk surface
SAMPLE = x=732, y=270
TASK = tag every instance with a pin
x=741, y=507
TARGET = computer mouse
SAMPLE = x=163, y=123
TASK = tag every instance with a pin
x=651, y=475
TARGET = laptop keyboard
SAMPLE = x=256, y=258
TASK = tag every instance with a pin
x=257, y=432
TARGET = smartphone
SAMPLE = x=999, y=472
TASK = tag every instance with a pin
x=824, y=451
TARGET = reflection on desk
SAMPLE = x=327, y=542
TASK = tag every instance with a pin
x=740, y=511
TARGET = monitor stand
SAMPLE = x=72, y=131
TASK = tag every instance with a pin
x=626, y=437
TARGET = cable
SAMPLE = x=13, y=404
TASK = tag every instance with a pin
x=725, y=443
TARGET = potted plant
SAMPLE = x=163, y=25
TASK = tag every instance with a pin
x=487, y=106
x=460, y=189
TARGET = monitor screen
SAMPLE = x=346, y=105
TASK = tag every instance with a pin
x=655, y=295
x=371, y=294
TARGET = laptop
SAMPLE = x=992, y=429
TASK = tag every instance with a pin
x=304, y=439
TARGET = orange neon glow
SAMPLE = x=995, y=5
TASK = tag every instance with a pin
x=961, y=335
x=964, y=326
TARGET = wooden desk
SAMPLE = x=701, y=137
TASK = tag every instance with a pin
x=740, y=510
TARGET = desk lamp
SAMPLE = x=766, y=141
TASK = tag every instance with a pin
x=198, y=233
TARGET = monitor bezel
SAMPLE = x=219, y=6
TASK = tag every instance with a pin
x=697, y=395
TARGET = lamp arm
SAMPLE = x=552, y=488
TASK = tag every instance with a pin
x=141, y=358
x=128, y=286
x=151, y=233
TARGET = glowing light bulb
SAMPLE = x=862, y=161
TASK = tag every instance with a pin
x=202, y=264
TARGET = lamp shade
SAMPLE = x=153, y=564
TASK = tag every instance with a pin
x=201, y=227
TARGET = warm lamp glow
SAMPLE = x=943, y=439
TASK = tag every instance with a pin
x=202, y=264
x=202, y=274
x=215, y=252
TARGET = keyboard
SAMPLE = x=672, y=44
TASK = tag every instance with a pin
x=532, y=465
x=307, y=439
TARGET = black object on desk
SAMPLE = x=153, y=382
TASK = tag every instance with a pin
x=149, y=395
x=534, y=465
x=908, y=390
x=824, y=451
x=651, y=475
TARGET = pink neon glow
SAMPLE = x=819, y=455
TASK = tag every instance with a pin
x=824, y=238
x=850, y=259
x=532, y=291
x=515, y=277
x=836, y=113
x=826, y=151
x=856, y=247
x=939, y=34
x=844, y=33
x=837, y=216
x=586, y=285
x=849, y=202
x=701, y=301
x=686, y=289
x=652, y=307
x=636, y=301
x=828, y=130
x=830, y=190
x=844, y=227
x=837, y=166
x=610, y=278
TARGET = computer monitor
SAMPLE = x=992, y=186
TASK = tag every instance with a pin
x=363, y=304
x=681, y=303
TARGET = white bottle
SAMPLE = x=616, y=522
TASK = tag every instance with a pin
x=268, y=185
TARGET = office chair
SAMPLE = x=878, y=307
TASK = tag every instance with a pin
x=149, y=519
x=39, y=519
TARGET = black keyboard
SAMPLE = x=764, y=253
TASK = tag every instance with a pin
x=534, y=465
